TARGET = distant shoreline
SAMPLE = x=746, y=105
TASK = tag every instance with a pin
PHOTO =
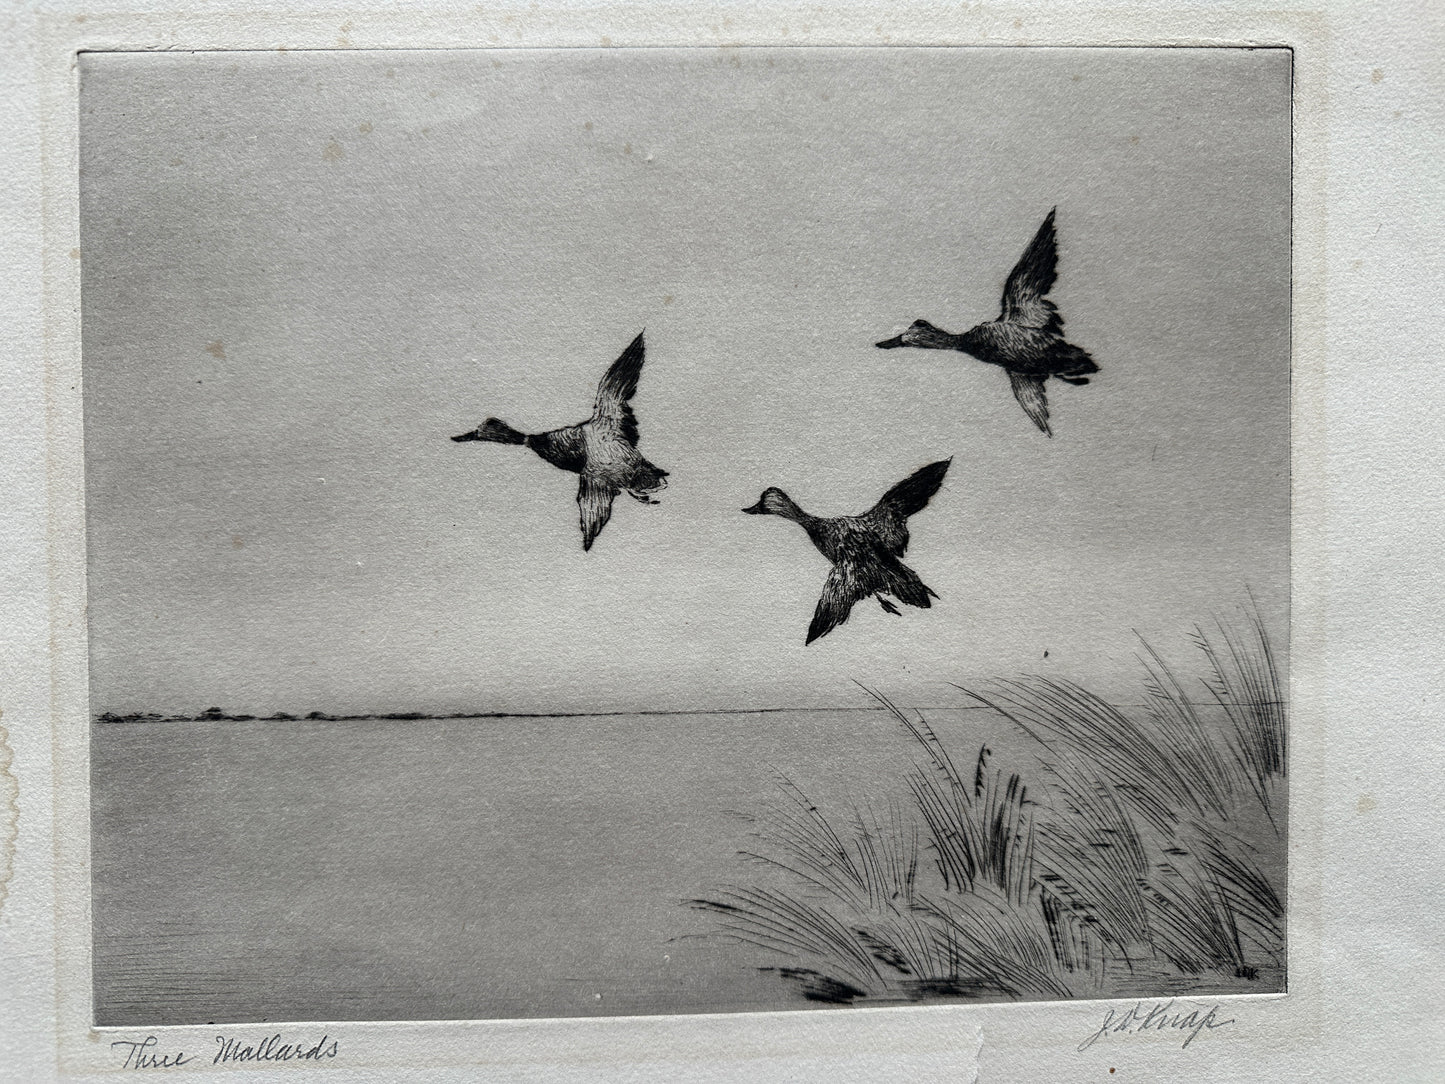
x=419, y=716
x=416, y=716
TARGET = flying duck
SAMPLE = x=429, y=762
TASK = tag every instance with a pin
x=1027, y=337
x=603, y=449
x=864, y=549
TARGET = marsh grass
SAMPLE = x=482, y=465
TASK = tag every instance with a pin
x=1128, y=850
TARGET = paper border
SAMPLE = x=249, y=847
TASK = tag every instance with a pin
x=999, y=1042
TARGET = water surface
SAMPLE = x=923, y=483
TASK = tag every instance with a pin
x=441, y=869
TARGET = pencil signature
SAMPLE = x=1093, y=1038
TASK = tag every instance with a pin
x=1158, y=1017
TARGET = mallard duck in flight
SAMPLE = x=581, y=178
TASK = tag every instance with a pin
x=1027, y=337
x=603, y=449
x=864, y=549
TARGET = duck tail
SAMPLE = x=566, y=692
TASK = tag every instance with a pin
x=645, y=481
x=1072, y=364
x=905, y=586
x=650, y=478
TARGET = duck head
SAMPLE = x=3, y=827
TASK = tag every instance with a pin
x=774, y=502
x=494, y=430
x=920, y=333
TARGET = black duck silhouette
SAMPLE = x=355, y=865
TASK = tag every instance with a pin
x=603, y=449
x=864, y=549
x=1027, y=337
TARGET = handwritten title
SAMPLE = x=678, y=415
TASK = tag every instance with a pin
x=144, y=1053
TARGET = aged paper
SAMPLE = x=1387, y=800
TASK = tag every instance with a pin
x=355, y=721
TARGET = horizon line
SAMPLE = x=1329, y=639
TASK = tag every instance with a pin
x=417, y=716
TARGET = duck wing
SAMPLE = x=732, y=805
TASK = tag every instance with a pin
x=1033, y=276
x=594, y=503
x=889, y=516
x=842, y=589
x=1029, y=391
x=616, y=388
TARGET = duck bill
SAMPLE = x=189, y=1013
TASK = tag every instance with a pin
x=755, y=510
x=889, y=344
x=467, y=436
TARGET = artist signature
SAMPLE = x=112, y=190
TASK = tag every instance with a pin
x=1158, y=1017
x=144, y=1053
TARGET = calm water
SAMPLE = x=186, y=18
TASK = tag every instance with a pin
x=446, y=869
x=483, y=868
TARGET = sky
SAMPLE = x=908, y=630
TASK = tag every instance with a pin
x=303, y=272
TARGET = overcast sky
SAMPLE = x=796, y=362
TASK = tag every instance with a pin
x=304, y=272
